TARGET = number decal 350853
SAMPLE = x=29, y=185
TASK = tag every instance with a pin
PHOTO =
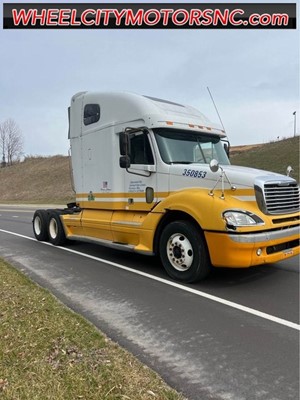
x=194, y=174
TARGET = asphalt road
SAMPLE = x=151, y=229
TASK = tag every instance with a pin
x=234, y=336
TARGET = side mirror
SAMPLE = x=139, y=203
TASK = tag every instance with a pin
x=214, y=166
x=124, y=143
x=124, y=162
x=289, y=170
x=226, y=148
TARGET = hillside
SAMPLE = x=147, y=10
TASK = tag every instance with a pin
x=37, y=180
x=47, y=179
x=273, y=156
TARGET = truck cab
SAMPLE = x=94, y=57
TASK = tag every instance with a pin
x=153, y=176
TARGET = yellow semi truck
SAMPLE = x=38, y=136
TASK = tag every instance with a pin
x=154, y=177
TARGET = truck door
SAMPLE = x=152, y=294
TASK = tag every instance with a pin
x=141, y=177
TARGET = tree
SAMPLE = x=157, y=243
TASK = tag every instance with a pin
x=2, y=145
x=11, y=141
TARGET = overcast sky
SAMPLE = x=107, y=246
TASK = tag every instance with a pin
x=253, y=76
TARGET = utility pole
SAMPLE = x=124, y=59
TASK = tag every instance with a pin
x=294, y=114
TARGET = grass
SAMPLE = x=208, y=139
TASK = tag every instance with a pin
x=274, y=156
x=48, y=352
x=37, y=180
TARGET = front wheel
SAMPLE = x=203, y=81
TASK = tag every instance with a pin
x=183, y=252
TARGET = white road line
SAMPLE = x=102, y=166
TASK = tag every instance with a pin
x=228, y=303
x=19, y=211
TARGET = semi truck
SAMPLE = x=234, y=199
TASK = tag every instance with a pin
x=153, y=176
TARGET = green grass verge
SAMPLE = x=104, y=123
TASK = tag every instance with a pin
x=49, y=352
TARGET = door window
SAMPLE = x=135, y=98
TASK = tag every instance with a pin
x=141, y=152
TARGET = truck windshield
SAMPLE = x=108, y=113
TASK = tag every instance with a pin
x=186, y=147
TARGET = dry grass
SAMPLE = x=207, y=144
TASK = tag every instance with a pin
x=234, y=150
x=48, y=352
x=273, y=156
x=37, y=180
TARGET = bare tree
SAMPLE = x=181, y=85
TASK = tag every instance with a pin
x=11, y=141
x=2, y=144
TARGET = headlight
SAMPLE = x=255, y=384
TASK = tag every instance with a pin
x=235, y=218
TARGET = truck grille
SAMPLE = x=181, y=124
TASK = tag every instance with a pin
x=275, y=197
x=281, y=198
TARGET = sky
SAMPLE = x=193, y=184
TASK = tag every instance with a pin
x=253, y=76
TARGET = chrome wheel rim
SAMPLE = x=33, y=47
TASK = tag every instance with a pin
x=53, y=229
x=180, y=252
x=37, y=225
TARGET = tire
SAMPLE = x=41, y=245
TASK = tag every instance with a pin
x=40, y=225
x=183, y=252
x=55, y=230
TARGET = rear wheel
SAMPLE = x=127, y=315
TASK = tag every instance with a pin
x=183, y=252
x=40, y=225
x=55, y=230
